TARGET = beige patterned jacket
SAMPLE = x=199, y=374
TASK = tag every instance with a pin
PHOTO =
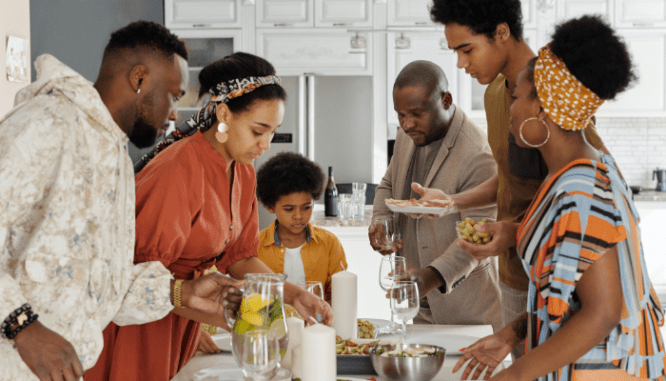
x=67, y=218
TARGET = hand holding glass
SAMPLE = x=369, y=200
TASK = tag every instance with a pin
x=387, y=234
x=314, y=287
x=404, y=303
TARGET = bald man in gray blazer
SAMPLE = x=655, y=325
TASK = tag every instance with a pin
x=438, y=146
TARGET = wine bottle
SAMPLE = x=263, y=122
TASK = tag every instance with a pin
x=331, y=196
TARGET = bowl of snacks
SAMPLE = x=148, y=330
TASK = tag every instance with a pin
x=465, y=230
x=407, y=362
x=366, y=330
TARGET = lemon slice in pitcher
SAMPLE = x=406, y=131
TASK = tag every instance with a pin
x=279, y=327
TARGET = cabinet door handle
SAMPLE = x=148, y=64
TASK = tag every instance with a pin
x=643, y=24
x=201, y=25
x=341, y=24
x=421, y=22
x=284, y=24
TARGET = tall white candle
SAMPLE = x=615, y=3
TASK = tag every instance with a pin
x=295, y=330
x=343, y=303
x=318, y=351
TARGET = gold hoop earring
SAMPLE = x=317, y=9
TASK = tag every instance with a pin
x=520, y=132
x=221, y=134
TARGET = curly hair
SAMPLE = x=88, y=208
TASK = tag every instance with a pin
x=287, y=173
x=594, y=54
x=146, y=35
x=240, y=65
x=481, y=16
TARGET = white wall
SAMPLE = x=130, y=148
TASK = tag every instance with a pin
x=14, y=21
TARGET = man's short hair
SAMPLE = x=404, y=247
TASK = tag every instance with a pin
x=146, y=36
x=422, y=73
x=481, y=16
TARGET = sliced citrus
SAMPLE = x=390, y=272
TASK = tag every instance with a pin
x=255, y=303
x=253, y=318
x=241, y=327
x=279, y=327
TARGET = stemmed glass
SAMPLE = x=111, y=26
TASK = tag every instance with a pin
x=391, y=268
x=313, y=286
x=404, y=303
x=260, y=354
x=386, y=233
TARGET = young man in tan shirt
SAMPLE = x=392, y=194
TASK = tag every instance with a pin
x=487, y=35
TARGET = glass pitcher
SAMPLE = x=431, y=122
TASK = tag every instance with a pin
x=262, y=307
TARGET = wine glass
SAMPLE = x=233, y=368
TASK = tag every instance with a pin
x=391, y=268
x=313, y=286
x=404, y=302
x=386, y=233
x=260, y=355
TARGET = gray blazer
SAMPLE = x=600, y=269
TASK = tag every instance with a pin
x=464, y=161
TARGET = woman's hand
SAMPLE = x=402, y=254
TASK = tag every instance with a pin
x=206, y=344
x=212, y=293
x=504, y=237
x=48, y=355
x=311, y=307
x=486, y=354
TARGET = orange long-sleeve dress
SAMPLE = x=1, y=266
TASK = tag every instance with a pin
x=186, y=220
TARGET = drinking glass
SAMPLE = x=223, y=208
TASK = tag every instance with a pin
x=386, y=233
x=260, y=354
x=391, y=268
x=404, y=303
x=358, y=200
x=345, y=212
x=313, y=286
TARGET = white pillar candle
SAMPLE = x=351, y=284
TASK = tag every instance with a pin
x=343, y=303
x=295, y=330
x=318, y=353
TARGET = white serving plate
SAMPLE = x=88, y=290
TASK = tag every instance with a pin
x=452, y=343
x=417, y=209
x=223, y=341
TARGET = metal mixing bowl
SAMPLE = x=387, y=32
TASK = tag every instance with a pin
x=406, y=368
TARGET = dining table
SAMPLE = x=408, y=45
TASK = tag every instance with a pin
x=450, y=337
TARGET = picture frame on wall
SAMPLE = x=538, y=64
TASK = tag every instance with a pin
x=17, y=60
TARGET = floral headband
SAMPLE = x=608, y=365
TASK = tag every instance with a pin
x=203, y=120
x=564, y=98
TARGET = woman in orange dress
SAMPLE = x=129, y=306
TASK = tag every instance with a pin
x=196, y=207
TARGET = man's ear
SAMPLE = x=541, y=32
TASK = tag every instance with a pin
x=137, y=76
x=447, y=100
x=502, y=32
x=271, y=210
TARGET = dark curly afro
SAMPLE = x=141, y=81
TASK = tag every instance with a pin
x=594, y=54
x=481, y=16
x=287, y=173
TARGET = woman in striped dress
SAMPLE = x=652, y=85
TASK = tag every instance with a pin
x=592, y=313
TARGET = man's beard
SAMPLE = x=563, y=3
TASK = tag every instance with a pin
x=143, y=134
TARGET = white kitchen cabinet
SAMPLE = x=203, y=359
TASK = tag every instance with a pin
x=343, y=13
x=653, y=215
x=640, y=13
x=285, y=13
x=317, y=51
x=202, y=13
x=409, y=13
x=648, y=96
x=406, y=47
x=529, y=13
x=568, y=9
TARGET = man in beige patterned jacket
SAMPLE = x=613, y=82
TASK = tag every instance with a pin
x=67, y=207
x=438, y=146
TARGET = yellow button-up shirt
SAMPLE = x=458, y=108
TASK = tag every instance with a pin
x=322, y=254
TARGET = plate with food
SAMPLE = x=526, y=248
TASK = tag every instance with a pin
x=419, y=206
x=353, y=356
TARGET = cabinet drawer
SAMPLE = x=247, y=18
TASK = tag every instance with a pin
x=640, y=13
x=207, y=14
x=323, y=52
x=290, y=13
x=343, y=13
x=409, y=13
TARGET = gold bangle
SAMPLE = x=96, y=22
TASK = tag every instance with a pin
x=176, y=293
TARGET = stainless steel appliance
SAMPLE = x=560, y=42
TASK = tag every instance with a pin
x=660, y=174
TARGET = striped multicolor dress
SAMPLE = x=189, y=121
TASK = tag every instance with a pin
x=576, y=216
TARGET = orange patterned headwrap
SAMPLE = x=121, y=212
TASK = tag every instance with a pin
x=564, y=98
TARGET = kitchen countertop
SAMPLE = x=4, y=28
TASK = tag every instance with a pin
x=319, y=219
x=650, y=195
